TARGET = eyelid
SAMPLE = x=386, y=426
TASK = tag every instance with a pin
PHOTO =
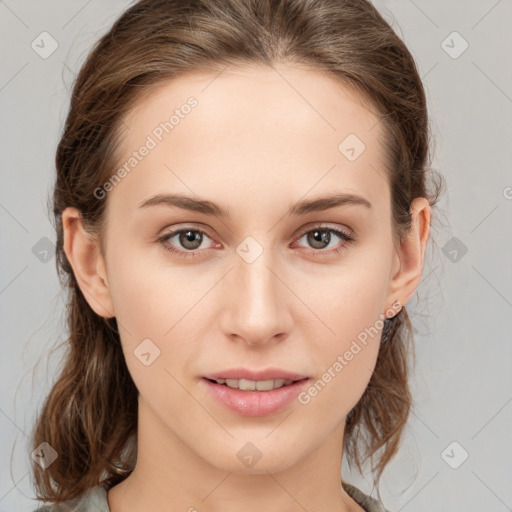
x=175, y=229
x=347, y=232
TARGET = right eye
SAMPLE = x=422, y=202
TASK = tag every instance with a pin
x=190, y=239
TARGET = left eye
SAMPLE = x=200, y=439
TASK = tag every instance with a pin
x=318, y=237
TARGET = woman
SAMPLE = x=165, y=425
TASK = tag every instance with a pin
x=242, y=211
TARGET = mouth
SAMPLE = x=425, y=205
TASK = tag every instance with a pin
x=256, y=396
x=255, y=385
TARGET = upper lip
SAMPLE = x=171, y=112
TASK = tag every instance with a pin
x=245, y=373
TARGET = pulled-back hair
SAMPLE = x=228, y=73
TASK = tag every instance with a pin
x=90, y=414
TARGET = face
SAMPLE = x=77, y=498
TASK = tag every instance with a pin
x=250, y=269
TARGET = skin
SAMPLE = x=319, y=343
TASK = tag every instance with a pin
x=258, y=142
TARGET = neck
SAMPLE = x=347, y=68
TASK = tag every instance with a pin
x=169, y=475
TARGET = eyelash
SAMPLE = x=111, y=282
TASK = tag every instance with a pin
x=345, y=236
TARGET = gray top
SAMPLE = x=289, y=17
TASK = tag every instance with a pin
x=95, y=500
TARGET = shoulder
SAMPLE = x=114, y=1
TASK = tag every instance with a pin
x=94, y=500
x=367, y=502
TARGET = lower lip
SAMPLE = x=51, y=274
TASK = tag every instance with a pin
x=255, y=403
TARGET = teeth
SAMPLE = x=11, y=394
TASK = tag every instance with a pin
x=254, y=385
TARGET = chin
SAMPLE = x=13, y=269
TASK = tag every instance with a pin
x=248, y=459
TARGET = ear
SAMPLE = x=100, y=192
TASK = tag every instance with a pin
x=83, y=254
x=410, y=254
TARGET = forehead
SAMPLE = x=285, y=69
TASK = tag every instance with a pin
x=241, y=130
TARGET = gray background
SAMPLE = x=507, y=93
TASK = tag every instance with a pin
x=462, y=380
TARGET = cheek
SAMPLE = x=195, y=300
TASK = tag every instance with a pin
x=346, y=345
x=157, y=303
x=346, y=359
x=348, y=299
x=136, y=301
x=143, y=285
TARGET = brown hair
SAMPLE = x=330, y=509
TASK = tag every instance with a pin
x=90, y=414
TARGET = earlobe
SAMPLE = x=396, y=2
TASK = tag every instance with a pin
x=411, y=254
x=83, y=254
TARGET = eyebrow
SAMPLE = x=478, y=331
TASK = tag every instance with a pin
x=301, y=208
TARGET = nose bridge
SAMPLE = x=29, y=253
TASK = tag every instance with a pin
x=257, y=297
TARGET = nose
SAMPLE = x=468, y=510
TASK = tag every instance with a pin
x=257, y=301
